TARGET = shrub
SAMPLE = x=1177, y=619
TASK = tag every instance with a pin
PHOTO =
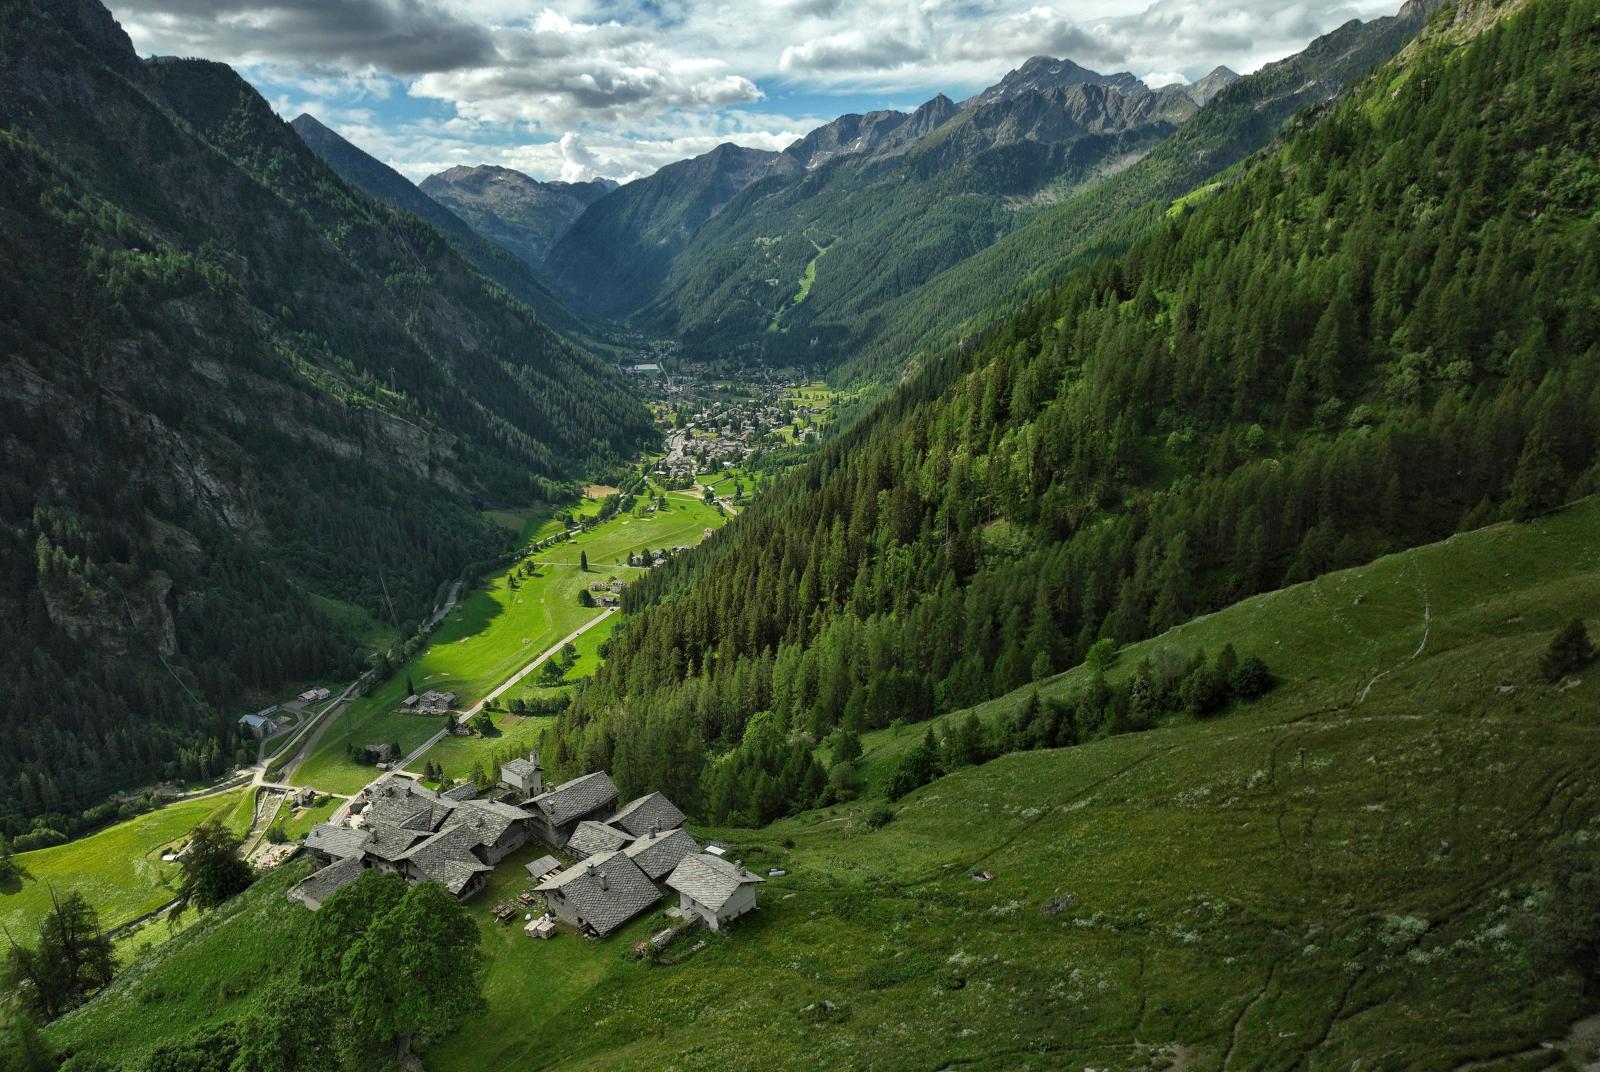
x=1569, y=651
x=1251, y=679
x=879, y=816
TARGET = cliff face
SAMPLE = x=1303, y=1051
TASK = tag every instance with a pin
x=232, y=383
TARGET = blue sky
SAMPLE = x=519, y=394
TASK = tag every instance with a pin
x=578, y=88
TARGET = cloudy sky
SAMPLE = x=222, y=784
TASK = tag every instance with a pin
x=578, y=88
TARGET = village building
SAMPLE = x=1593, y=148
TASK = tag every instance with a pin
x=428, y=703
x=325, y=883
x=659, y=853
x=557, y=812
x=262, y=723
x=525, y=776
x=420, y=835
x=713, y=889
x=643, y=815
x=600, y=894
x=543, y=868
x=592, y=839
x=329, y=844
x=314, y=695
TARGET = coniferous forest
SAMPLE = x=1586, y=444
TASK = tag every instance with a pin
x=1384, y=330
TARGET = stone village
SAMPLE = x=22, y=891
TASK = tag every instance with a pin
x=611, y=863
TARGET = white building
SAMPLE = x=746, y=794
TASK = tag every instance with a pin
x=714, y=889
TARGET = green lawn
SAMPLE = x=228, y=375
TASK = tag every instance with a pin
x=1333, y=876
x=301, y=820
x=214, y=968
x=119, y=869
x=458, y=755
x=494, y=633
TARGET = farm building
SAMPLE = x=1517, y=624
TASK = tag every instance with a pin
x=659, y=853
x=312, y=891
x=600, y=894
x=644, y=814
x=543, y=868
x=422, y=836
x=713, y=889
x=592, y=838
x=557, y=812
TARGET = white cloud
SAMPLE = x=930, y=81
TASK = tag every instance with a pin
x=1157, y=79
x=574, y=88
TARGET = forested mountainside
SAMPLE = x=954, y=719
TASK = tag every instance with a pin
x=804, y=250
x=234, y=389
x=370, y=175
x=517, y=213
x=1384, y=331
x=620, y=249
x=891, y=197
x=1241, y=116
x=852, y=245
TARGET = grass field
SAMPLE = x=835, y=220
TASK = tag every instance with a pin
x=119, y=869
x=1329, y=879
x=457, y=755
x=300, y=821
x=494, y=633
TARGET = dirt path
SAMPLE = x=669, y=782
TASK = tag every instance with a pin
x=1427, y=627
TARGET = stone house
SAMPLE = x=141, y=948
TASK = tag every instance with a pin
x=713, y=889
x=600, y=894
x=557, y=812
x=524, y=776
x=653, y=811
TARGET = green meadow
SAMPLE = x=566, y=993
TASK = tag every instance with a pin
x=118, y=869
x=457, y=756
x=1333, y=877
x=494, y=632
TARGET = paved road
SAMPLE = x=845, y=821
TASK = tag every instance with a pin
x=342, y=810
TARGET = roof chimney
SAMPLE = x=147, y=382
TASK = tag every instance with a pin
x=655, y=829
x=589, y=869
x=605, y=883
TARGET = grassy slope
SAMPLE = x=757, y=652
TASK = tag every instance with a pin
x=207, y=973
x=1293, y=885
x=118, y=869
x=492, y=634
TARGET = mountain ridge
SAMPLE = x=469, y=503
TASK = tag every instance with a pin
x=518, y=213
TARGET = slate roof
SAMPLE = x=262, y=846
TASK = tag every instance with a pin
x=521, y=767
x=711, y=880
x=404, y=803
x=391, y=843
x=340, y=842
x=447, y=858
x=658, y=854
x=464, y=791
x=605, y=891
x=320, y=885
x=543, y=866
x=649, y=812
x=490, y=819
x=577, y=798
x=592, y=839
